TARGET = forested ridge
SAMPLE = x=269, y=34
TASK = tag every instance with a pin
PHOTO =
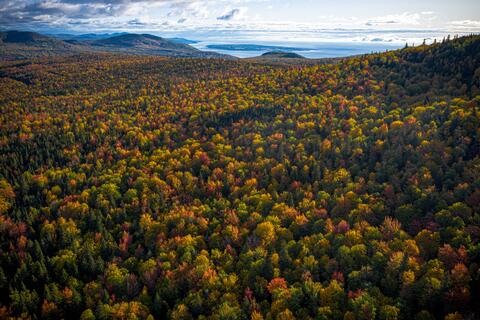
x=156, y=188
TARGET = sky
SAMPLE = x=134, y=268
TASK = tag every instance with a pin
x=300, y=20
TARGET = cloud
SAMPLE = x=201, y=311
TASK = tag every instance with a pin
x=120, y=15
x=188, y=9
x=229, y=15
x=18, y=13
x=405, y=19
x=465, y=24
x=189, y=15
x=136, y=23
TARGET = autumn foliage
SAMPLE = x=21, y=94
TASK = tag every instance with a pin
x=144, y=187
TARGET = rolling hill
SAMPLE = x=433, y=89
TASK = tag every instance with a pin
x=21, y=45
x=149, y=45
x=289, y=58
x=31, y=38
x=16, y=45
x=86, y=36
x=282, y=55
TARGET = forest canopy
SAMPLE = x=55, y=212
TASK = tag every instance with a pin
x=152, y=188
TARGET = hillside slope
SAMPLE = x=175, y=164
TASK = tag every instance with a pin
x=429, y=72
x=20, y=45
x=25, y=38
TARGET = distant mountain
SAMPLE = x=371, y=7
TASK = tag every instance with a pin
x=87, y=36
x=16, y=45
x=147, y=44
x=96, y=36
x=282, y=55
x=141, y=41
x=21, y=45
x=28, y=38
x=183, y=40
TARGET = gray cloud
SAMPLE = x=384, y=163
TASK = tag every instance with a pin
x=28, y=13
x=229, y=15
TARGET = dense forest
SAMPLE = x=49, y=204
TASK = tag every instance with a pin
x=157, y=188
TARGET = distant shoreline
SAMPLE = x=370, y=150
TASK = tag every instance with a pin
x=311, y=50
x=253, y=47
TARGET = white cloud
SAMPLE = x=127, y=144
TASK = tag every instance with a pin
x=211, y=16
x=474, y=25
x=404, y=19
